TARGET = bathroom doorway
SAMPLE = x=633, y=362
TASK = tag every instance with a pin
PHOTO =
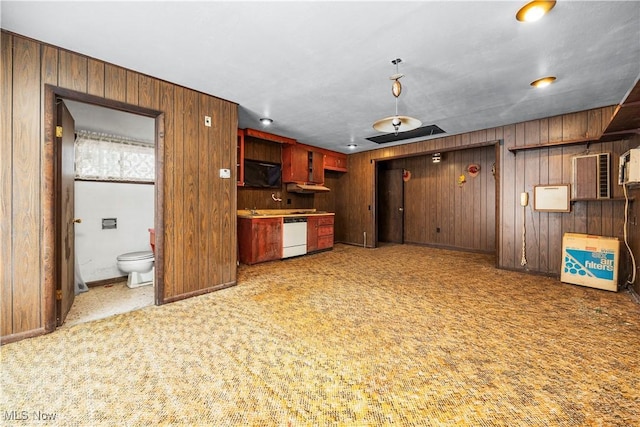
x=109, y=296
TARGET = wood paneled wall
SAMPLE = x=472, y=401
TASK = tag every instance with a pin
x=515, y=173
x=199, y=208
x=433, y=200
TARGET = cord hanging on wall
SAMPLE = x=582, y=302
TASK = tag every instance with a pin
x=524, y=201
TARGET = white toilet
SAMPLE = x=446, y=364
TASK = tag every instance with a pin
x=139, y=266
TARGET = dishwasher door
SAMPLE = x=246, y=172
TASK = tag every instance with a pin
x=294, y=237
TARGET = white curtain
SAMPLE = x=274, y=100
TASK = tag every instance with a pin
x=113, y=158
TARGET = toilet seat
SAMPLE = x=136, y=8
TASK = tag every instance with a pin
x=136, y=256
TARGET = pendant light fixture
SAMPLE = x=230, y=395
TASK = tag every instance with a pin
x=396, y=123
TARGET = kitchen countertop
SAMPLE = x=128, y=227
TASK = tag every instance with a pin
x=279, y=213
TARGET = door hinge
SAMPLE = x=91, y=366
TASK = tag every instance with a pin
x=58, y=131
x=58, y=295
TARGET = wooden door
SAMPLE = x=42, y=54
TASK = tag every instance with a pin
x=65, y=138
x=390, y=206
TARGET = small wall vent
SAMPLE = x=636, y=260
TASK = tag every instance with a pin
x=591, y=178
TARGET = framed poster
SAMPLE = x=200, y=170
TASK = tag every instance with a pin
x=552, y=198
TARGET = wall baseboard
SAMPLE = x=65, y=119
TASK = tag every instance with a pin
x=103, y=282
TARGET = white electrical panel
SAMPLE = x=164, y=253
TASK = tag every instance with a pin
x=629, y=168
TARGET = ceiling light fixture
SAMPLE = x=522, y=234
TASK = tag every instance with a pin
x=352, y=146
x=543, y=82
x=396, y=123
x=534, y=10
x=266, y=121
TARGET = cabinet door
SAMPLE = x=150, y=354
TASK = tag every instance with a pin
x=259, y=240
x=312, y=233
x=267, y=239
x=316, y=167
x=295, y=164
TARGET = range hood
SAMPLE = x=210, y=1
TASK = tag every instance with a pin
x=306, y=188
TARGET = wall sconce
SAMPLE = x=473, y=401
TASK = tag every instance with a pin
x=436, y=157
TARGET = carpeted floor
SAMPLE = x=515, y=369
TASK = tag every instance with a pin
x=400, y=335
x=105, y=301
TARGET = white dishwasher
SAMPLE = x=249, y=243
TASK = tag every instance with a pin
x=294, y=236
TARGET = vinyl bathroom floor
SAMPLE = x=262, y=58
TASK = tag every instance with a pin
x=105, y=301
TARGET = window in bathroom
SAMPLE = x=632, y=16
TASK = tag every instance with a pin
x=103, y=157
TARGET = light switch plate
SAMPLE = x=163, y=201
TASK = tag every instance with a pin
x=207, y=121
x=225, y=173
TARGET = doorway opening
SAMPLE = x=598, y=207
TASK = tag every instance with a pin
x=122, y=214
x=445, y=199
x=114, y=206
x=390, y=203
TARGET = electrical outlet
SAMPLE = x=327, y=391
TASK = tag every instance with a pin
x=207, y=121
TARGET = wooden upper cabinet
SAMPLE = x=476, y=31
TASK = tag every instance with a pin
x=306, y=164
x=335, y=162
x=295, y=166
x=302, y=165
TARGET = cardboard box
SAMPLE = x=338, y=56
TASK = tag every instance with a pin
x=590, y=261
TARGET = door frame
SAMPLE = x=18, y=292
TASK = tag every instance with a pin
x=378, y=210
x=51, y=186
x=496, y=144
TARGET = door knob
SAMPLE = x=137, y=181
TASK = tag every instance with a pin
x=77, y=220
x=401, y=209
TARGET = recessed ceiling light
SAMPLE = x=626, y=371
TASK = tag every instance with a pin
x=543, y=82
x=534, y=10
x=266, y=121
x=352, y=146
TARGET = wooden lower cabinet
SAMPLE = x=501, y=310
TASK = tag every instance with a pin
x=319, y=233
x=259, y=239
